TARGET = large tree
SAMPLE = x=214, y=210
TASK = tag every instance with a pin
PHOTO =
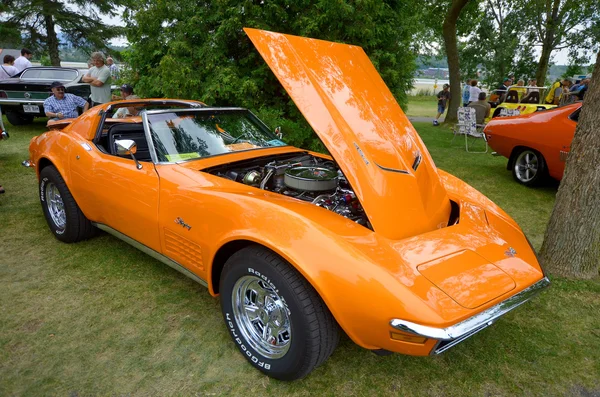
x=451, y=46
x=35, y=24
x=558, y=24
x=572, y=243
x=497, y=44
x=197, y=49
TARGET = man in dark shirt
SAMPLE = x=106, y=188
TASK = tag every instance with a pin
x=443, y=97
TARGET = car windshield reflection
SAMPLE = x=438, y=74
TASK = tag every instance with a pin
x=185, y=135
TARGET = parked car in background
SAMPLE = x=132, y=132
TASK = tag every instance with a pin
x=372, y=239
x=525, y=99
x=22, y=96
x=536, y=145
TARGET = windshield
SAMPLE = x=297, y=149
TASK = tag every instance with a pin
x=187, y=135
x=49, y=74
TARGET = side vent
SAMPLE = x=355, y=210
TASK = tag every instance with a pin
x=183, y=250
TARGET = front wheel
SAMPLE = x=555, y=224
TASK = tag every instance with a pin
x=275, y=317
x=65, y=219
x=529, y=167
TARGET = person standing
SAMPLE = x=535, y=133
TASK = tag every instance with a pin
x=99, y=79
x=23, y=62
x=61, y=105
x=466, y=93
x=114, y=69
x=7, y=70
x=474, y=91
x=443, y=97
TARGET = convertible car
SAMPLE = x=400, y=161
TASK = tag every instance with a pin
x=373, y=239
x=525, y=99
x=22, y=97
x=536, y=145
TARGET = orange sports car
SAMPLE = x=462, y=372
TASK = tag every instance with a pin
x=536, y=145
x=373, y=240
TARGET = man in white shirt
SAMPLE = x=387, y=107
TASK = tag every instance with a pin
x=99, y=79
x=23, y=62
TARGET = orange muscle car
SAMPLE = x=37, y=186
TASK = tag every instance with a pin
x=536, y=145
x=373, y=240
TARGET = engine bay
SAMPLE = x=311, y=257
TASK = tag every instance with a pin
x=301, y=176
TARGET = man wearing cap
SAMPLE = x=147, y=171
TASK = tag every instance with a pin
x=502, y=89
x=99, y=79
x=126, y=93
x=62, y=105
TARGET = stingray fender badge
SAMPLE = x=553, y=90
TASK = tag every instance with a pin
x=180, y=221
x=510, y=252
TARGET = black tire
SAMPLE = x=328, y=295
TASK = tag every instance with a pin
x=309, y=334
x=528, y=167
x=65, y=219
x=16, y=118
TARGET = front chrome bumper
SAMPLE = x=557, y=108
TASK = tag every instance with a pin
x=456, y=333
x=16, y=101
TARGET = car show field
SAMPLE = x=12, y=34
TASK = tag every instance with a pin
x=102, y=317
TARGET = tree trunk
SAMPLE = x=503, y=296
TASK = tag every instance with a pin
x=450, y=42
x=552, y=21
x=544, y=61
x=572, y=242
x=52, y=40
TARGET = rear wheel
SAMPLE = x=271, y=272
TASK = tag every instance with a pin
x=16, y=118
x=65, y=219
x=275, y=317
x=529, y=167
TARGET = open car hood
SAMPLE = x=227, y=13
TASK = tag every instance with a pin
x=341, y=95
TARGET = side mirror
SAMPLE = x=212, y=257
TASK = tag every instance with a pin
x=127, y=147
x=278, y=132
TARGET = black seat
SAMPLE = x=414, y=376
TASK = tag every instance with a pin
x=131, y=131
x=512, y=97
x=532, y=97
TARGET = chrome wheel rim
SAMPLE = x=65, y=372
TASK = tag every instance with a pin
x=262, y=317
x=55, y=205
x=526, y=166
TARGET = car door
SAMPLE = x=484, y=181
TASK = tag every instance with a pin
x=111, y=190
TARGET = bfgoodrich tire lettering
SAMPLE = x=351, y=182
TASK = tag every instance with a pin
x=274, y=316
x=64, y=217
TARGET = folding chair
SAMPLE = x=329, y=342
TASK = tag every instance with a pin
x=468, y=127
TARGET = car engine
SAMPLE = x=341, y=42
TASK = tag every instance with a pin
x=302, y=176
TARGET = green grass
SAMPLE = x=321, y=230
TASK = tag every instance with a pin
x=101, y=318
x=421, y=106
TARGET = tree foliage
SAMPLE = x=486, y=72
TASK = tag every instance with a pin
x=34, y=24
x=498, y=44
x=558, y=24
x=197, y=49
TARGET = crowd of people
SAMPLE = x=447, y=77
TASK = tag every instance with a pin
x=62, y=105
x=561, y=92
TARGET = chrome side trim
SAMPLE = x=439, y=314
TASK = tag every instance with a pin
x=15, y=101
x=473, y=324
x=393, y=170
x=156, y=255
